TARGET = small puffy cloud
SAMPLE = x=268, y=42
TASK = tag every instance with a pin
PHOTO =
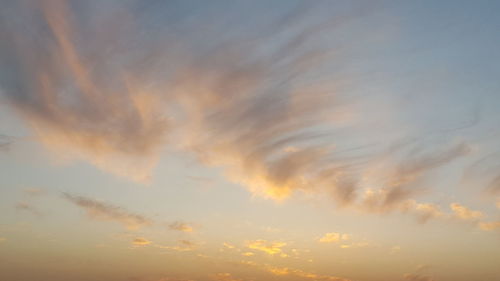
x=181, y=226
x=106, y=212
x=333, y=237
x=489, y=226
x=139, y=241
x=3, y=239
x=417, y=277
x=422, y=211
x=330, y=237
x=268, y=247
x=464, y=213
x=247, y=254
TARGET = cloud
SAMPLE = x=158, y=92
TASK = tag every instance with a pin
x=489, y=226
x=79, y=104
x=271, y=248
x=400, y=183
x=333, y=237
x=34, y=192
x=464, y=213
x=164, y=278
x=106, y=212
x=278, y=120
x=395, y=249
x=225, y=277
x=139, y=241
x=181, y=226
x=6, y=142
x=417, y=277
x=355, y=245
x=24, y=206
x=283, y=271
x=3, y=239
x=228, y=245
x=184, y=246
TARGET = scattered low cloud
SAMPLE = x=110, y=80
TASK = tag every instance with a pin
x=333, y=237
x=225, y=277
x=140, y=241
x=183, y=246
x=6, y=142
x=101, y=211
x=286, y=271
x=34, y=192
x=417, y=277
x=395, y=249
x=163, y=278
x=464, y=213
x=269, y=247
x=25, y=206
x=228, y=245
x=489, y=226
x=181, y=226
x=355, y=245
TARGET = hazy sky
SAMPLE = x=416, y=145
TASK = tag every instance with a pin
x=249, y=140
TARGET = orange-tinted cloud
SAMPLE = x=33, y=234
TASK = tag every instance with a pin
x=225, y=277
x=464, y=213
x=333, y=237
x=181, y=226
x=269, y=247
x=284, y=271
x=80, y=106
x=489, y=226
x=417, y=277
x=140, y=241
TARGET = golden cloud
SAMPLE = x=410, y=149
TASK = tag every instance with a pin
x=271, y=248
x=139, y=241
x=489, y=226
x=465, y=213
x=181, y=226
x=333, y=237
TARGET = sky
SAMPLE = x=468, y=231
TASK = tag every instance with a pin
x=249, y=140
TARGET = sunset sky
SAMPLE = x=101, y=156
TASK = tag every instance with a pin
x=249, y=140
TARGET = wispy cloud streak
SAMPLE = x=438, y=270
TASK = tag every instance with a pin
x=106, y=212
